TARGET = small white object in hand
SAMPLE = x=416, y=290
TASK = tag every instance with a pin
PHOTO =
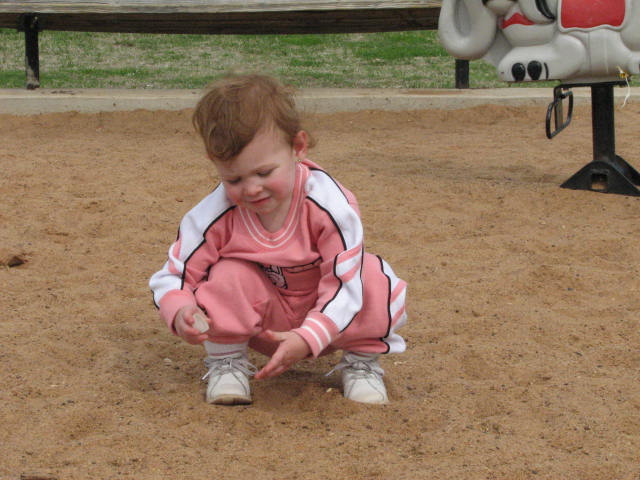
x=200, y=323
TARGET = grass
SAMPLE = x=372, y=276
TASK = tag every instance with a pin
x=106, y=60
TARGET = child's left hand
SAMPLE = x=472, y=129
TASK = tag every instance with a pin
x=291, y=349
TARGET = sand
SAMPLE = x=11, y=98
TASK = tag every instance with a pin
x=523, y=333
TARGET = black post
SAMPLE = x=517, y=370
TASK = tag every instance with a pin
x=32, y=51
x=462, y=73
x=607, y=173
x=603, y=123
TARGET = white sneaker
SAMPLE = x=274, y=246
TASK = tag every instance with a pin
x=362, y=378
x=228, y=379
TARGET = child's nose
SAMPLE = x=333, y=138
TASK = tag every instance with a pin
x=252, y=188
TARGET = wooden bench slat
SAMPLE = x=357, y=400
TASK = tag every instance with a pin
x=224, y=17
x=237, y=23
x=201, y=6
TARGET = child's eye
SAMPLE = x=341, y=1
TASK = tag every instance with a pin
x=265, y=173
x=233, y=181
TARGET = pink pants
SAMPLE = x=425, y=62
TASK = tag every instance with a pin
x=242, y=302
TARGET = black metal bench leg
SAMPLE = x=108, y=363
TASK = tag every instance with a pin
x=32, y=51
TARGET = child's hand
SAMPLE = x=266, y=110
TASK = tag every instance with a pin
x=184, y=323
x=291, y=349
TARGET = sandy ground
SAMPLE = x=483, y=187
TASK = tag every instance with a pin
x=522, y=360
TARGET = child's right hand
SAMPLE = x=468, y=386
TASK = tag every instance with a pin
x=184, y=324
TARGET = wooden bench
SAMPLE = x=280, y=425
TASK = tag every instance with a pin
x=215, y=17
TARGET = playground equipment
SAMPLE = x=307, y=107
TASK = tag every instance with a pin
x=578, y=42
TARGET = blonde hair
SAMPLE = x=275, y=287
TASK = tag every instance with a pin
x=234, y=109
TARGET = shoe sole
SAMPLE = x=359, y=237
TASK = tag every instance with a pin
x=230, y=400
x=369, y=402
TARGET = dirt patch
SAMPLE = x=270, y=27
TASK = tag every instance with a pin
x=523, y=330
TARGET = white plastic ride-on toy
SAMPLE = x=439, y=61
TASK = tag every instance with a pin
x=578, y=42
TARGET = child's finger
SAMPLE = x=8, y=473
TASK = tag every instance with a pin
x=266, y=371
x=273, y=368
x=262, y=374
x=191, y=334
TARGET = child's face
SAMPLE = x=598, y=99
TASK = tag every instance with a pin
x=261, y=177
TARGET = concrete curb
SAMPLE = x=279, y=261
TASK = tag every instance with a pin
x=31, y=102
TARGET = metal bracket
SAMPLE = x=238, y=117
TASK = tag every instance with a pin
x=555, y=110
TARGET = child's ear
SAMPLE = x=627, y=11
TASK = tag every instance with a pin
x=301, y=144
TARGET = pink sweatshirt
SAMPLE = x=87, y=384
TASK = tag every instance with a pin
x=319, y=248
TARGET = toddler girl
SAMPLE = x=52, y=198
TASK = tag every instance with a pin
x=273, y=258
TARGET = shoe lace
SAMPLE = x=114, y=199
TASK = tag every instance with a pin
x=225, y=364
x=358, y=368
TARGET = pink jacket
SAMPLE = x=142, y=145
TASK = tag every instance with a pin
x=319, y=248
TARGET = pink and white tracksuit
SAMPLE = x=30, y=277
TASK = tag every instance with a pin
x=312, y=276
